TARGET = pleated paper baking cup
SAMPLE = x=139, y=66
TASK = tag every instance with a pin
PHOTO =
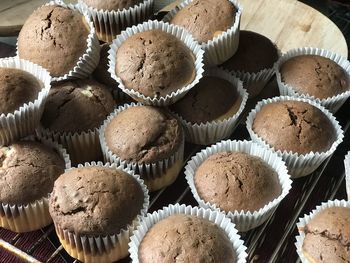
x=331, y=103
x=108, y=248
x=221, y=48
x=306, y=219
x=81, y=146
x=35, y=215
x=178, y=32
x=109, y=24
x=298, y=164
x=156, y=175
x=244, y=220
x=214, y=216
x=23, y=121
x=347, y=173
x=90, y=59
x=213, y=131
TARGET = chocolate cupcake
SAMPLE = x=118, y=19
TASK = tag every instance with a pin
x=146, y=138
x=110, y=17
x=28, y=171
x=304, y=135
x=186, y=234
x=324, y=234
x=214, y=24
x=24, y=87
x=211, y=109
x=73, y=113
x=155, y=63
x=316, y=74
x=100, y=202
x=253, y=62
x=242, y=179
x=60, y=39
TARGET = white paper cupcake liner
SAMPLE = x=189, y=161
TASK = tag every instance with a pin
x=34, y=215
x=306, y=219
x=101, y=246
x=331, y=103
x=213, y=131
x=90, y=59
x=81, y=146
x=347, y=173
x=214, y=216
x=221, y=48
x=109, y=24
x=298, y=164
x=23, y=121
x=148, y=171
x=244, y=221
x=181, y=34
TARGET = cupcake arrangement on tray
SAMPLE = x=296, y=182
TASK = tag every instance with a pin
x=89, y=128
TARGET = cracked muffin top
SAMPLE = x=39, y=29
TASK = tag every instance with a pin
x=255, y=52
x=77, y=106
x=294, y=126
x=206, y=19
x=95, y=200
x=315, y=75
x=17, y=87
x=186, y=238
x=54, y=37
x=236, y=181
x=144, y=134
x=211, y=99
x=111, y=5
x=327, y=236
x=155, y=63
x=28, y=170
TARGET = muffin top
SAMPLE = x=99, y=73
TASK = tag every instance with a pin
x=301, y=127
x=17, y=87
x=95, y=200
x=77, y=106
x=101, y=73
x=211, y=99
x=111, y=5
x=186, y=238
x=28, y=170
x=144, y=134
x=206, y=19
x=155, y=63
x=315, y=75
x=54, y=37
x=255, y=52
x=236, y=181
x=327, y=236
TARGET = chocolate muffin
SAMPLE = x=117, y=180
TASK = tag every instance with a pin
x=206, y=19
x=17, y=87
x=77, y=106
x=111, y=5
x=327, y=236
x=213, y=98
x=54, y=37
x=101, y=73
x=186, y=238
x=236, y=181
x=95, y=201
x=301, y=127
x=28, y=171
x=154, y=63
x=255, y=52
x=315, y=75
x=144, y=134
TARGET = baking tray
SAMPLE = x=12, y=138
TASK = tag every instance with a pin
x=271, y=242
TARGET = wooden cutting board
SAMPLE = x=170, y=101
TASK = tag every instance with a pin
x=287, y=22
